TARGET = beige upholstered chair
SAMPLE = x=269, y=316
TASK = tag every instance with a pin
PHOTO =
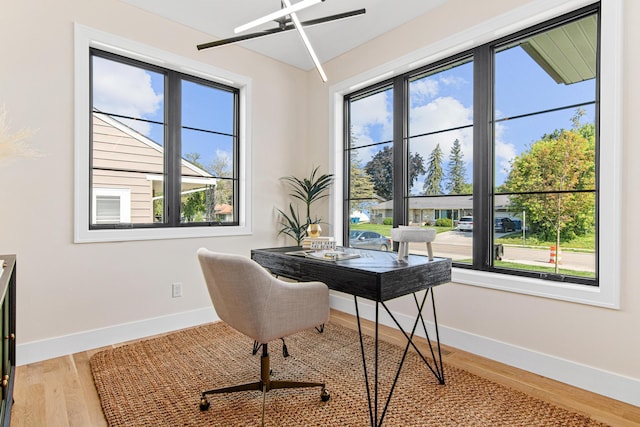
x=264, y=308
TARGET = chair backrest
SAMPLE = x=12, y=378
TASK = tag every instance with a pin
x=252, y=301
x=238, y=288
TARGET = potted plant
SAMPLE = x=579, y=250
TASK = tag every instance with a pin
x=307, y=190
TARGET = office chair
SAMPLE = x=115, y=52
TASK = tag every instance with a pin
x=264, y=308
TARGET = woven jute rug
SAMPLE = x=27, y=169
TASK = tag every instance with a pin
x=157, y=382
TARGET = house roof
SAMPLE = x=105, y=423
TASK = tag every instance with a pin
x=195, y=170
x=443, y=202
x=567, y=53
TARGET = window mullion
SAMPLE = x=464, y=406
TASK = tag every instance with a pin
x=173, y=148
x=482, y=156
x=400, y=155
x=346, y=171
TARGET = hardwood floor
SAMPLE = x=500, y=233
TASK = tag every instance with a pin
x=60, y=392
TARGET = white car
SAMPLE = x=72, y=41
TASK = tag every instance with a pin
x=465, y=223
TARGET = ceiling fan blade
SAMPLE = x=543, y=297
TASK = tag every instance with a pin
x=286, y=25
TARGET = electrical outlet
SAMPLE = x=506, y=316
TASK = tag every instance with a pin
x=176, y=290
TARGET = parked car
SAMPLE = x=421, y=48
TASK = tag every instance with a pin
x=504, y=225
x=363, y=239
x=465, y=223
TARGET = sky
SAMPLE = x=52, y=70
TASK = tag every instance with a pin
x=438, y=102
x=131, y=91
x=444, y=100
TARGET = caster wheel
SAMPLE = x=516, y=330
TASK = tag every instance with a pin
x=204, y=404
x=324, y=395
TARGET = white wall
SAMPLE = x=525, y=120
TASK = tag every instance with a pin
x=74, y=295
x=65, y=289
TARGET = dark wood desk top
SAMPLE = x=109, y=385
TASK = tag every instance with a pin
x=375, y=275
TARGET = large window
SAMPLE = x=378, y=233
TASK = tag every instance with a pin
x=496, y=147
x=167, y=139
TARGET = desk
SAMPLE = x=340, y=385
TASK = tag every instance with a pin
x=377, y=276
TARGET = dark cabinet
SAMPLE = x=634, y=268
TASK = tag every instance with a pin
x=8, y=347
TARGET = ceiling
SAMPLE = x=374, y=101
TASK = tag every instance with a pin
x=219, y=17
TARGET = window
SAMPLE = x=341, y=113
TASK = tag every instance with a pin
x=440, y=144
x=545, y=149
x=497, y=147
x=162, y=144
x=168, y=138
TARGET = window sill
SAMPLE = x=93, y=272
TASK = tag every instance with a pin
x=602, y=296
x=125, y=235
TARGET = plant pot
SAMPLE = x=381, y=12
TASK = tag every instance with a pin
x=314, y=230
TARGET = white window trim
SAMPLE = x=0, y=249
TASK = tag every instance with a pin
x=125, y=202
x=610, y=196
x=85, y=38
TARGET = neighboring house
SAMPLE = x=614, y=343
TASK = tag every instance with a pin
x=426, y=210
x=359, y=216
x=224, y=212
x=128, y=174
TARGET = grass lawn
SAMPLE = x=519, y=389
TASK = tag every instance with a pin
x=527, y=267
x=385, y=230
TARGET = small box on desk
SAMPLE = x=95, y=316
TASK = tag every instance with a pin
x=319, y=243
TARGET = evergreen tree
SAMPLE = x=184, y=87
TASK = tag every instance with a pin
x=433, y=181
x=456, y=171
x=361, y=189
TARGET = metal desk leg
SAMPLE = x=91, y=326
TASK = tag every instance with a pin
x=364, y=362
x=437, y=369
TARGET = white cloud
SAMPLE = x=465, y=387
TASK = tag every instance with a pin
x=442, y=113
x=423, y=89
x=504, y=153
x=453, y=81
x=371, y=115
x=126, y=90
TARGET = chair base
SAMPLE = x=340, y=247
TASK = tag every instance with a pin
x=265, y=384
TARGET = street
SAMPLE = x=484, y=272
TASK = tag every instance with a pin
x=457, y=246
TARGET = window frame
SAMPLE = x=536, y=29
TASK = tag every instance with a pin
x=607, y=294
x=87, y=38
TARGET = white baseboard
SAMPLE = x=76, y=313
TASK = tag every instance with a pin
x=595, y=380
x=37, y=351
x=586, y=377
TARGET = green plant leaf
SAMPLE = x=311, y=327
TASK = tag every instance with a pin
x=308, y=191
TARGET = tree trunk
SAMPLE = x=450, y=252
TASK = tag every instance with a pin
x=557, y=264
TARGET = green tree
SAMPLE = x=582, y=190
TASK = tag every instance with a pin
x=201, y=205
x=563, y=162
x=361, y=190
x=219, y=168
x=433, y=180
x=193, y=205
x=456, y=171
x=380, y=170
